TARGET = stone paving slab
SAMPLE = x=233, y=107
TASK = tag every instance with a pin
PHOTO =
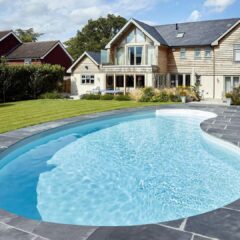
x=222, y=224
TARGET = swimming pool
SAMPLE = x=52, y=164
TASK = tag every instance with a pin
x=127, y=170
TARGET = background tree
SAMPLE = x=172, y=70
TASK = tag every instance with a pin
x=28, y=35
x=95, y=35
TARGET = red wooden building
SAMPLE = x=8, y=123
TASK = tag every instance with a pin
x=16, y=52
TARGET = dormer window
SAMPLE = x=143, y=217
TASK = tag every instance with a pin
x=180, y=35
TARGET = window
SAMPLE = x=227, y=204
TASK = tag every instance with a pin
x=27, y=61
x=129, y=81
x=188, y=80
x=151, y=55
x=120, y=56
x=140, y=37
x=87, y=79
x=180, y=80
x=208, y=52
x=237, y=53
x=131, y=37
x=180, y=35
x=135, y=55
x=119, y=81
x=173, y=80
x=197, y=53
x=236, y=82
x=182, y=53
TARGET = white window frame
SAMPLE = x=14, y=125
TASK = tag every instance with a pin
x=135, y=55
x=87, y=79
x=197, y=50
x=182, y=53
x=208, y=50
x=236, y=47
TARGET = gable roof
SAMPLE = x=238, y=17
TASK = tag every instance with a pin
x=195, y=33
x=4, y=34
x=200, y=33
x=94, y=56
x=35, y=50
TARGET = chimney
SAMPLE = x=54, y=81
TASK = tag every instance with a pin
x=176, y=26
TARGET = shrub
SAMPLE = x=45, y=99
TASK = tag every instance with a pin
x=107, y=97
x=122, y=98
x=20, y=82
x=147, y=95
x=91, y=96
x=235, y=95
x=161, y=97
x=51, y=95
x=136, y=94
x=174, y=98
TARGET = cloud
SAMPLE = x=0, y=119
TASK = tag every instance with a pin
x=61, y=19
x=195, y=16
x=218, y=5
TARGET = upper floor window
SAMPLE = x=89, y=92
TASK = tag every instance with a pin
x=236, y=53
x=140, y=37
x=131, y=37
x=180, y=35
x=136, y=36
x=120, y=56
x=87, y=79
x=208, y=52
x=182, y=53
x=197, y=53
x=135, y=55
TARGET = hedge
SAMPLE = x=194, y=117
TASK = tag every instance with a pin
x=21, y=82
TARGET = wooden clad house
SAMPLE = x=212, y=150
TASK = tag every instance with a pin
x=16, y=52
x=164, y=56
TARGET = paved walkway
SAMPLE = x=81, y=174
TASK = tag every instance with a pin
x=223, y=223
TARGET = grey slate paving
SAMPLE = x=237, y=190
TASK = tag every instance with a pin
x=147, y=232
x=8, y=233
x=63, y=232
x=222, y=224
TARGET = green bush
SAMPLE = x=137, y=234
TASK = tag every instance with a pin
x=20, y=82
x=148, y=94
x=122, y=98
x=107, y=97
x=51, y=95
x=174, y=98
x=91, y=97
x=235, y=96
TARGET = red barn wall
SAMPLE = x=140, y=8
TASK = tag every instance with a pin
x=58, y=56
x=7, y=44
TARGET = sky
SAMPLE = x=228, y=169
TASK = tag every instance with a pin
x=60, y=19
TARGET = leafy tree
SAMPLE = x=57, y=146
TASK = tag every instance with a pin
x=95, y=35
x=28, y=35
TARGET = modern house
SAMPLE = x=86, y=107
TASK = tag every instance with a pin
x=164, y=56
x=16, y=52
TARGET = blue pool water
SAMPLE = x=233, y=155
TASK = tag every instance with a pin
x=126, y=170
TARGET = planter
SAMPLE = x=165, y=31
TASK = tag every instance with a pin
x=229, y=101
x=184, y=99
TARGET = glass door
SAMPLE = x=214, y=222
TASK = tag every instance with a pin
x=228, y=84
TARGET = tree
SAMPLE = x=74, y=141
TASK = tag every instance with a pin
x=28, y=35
x=95, y=35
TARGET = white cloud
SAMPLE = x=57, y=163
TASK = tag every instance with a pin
x=195, y=16
x=218, y=5
x=61, y=19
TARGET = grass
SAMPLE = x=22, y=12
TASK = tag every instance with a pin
x=27, y=113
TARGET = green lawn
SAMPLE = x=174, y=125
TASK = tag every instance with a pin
x=26, y=113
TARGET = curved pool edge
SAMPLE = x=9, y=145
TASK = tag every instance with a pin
x=223, y=223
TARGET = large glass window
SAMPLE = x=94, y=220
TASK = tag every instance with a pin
x=237, y=53
x=87, y=79
x=131, y=37
x=228, y=85
x=135, y=55
x=173, y=80
x=120, y=56
x=119, y=81
x=129, y=81
x=188, y=80
x=140, y=37
x=236, y=81
x=139, y=51
x=180, y=80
